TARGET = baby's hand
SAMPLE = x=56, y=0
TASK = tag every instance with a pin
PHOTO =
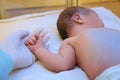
x=35, y=42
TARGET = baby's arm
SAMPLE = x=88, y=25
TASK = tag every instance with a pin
x=65, y=60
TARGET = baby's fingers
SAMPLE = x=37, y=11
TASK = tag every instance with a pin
x=26, y=43
x=30, y=41
x=33, y=38
x=30, y=48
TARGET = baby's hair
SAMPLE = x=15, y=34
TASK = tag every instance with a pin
x=64, y=22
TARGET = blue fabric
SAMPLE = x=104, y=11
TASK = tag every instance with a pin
x=6, y=65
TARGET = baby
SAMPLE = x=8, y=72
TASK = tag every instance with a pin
x=86, y=43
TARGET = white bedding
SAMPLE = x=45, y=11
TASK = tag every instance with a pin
x=48, y=20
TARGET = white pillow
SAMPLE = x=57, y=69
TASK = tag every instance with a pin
x=48, y=20
x=109, y=19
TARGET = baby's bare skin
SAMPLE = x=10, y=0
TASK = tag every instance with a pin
x=96, y=50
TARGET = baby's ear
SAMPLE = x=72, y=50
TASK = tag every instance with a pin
x=77, y=18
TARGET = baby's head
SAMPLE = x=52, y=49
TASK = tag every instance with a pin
x=76, y=19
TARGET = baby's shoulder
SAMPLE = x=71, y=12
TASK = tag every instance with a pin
x=69, y=41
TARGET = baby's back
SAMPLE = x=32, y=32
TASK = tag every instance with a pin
x=97, y=49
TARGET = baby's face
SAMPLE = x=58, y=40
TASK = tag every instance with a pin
x=94, y=20
x=91, y=21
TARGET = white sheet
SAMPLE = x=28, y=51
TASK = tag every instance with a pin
x=48, y=20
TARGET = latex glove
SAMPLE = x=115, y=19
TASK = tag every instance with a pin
x=44, y=33
x=14, y=46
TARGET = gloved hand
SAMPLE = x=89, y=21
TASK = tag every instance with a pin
x=14, y=46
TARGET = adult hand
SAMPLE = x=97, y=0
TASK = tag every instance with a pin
x=14, y=46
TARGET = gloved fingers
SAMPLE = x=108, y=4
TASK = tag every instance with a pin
x=47, y=45
x=46, y=38
x=38, y=31
x=41, y=31
x=44, y=34
x=22, y=34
